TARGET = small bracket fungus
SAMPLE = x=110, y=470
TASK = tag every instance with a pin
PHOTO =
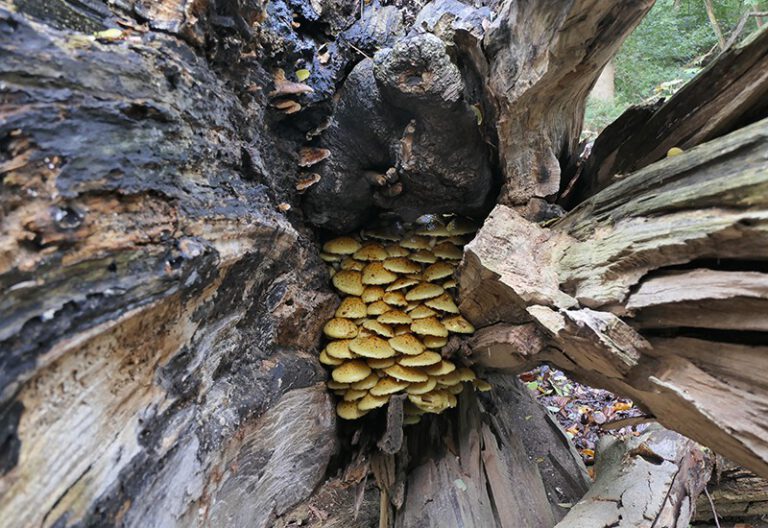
x=397, y=314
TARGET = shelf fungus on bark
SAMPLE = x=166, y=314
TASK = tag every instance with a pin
x=395, y=316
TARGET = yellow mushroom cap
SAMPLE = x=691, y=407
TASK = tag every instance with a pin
x=371, y=252
x=446, y=250
x=378, y=328
x=438, y=270
x=433, y=402
x=325, y=359
x=329, y=257
x=369, y=401
x=425, y=290
x=409, y=409
x=351, y=371
x=466, y=374
x=423, y=256
x=434, y=341
x=455, y=389
x=411, y=419
x=407, y=344
x=401, y=265
x=339, y=349
x=406, y=373
x=462, y=226
x=375, y=273
x=351, y=308
x=339, y=328
x=382, y=363
x=351, y=264
x=387, y=385
x=371, y=347
x=402, y=329
x=378, y=308
x=415, y=242
x=364, y=384
x=674, y=151
x=401, y=283
x=395, y=298
x=349, y=282
x=341, y=246
x=372, y=294
x=397, y=251
x=444, y=303
x=458, y=325
x=335, y=385
x=422, y=360
x=394, y=317
x=449, y=284
x=352, y=394
x=429, y=326
x=440, y=369
x=482, y=385
x=421, y=311
x=452, y=378
x=421, y=388
x=348, y=410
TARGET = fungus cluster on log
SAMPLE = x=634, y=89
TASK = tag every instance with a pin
x=397, y=314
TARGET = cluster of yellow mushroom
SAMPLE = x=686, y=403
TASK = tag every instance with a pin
x=396, y=315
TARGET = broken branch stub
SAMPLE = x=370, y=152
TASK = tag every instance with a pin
x=596, y=285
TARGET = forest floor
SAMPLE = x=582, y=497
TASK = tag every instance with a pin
x=586, y=413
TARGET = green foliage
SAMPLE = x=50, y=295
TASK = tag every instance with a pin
x=668, y=48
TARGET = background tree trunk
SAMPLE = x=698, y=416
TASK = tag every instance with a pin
x=162, y=296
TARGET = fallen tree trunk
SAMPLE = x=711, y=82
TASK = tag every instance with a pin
x=735, y=494
x=645, y=481
x=591, y=290
x=162, y=295
x=730, y=93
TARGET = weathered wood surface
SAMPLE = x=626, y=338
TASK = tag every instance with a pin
x=730, y=93
x=504, y=462
x=592, y=292
x=158, y=315
x=736, y=494
x=647, y=481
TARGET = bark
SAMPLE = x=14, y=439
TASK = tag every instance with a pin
x=645, y=481
x=162, y=296
x=600, y=304
x=736, y=494
x=495, y=444
x=159, y=315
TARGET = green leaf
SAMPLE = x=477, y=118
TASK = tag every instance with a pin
x=302, y=75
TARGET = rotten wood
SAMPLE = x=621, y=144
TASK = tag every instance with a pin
x=613, y=283
x=646, y=481
x=731, y=92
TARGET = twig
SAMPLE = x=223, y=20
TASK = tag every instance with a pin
x=712, y=505
x=361, y=52
x=740, y=26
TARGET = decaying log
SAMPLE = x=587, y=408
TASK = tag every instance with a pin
x=158, y=316
x=540, y=109
x=731, y=92
x=596, y=285
x=736, y=494
x=642, y=482
x=507, y=463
